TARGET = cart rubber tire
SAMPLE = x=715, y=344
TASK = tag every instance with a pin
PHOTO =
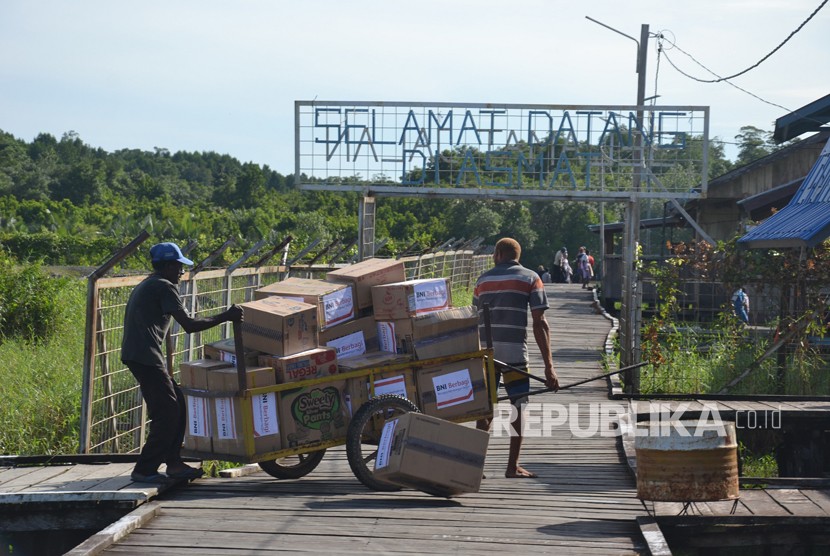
x=383, y=407
x=307, y=463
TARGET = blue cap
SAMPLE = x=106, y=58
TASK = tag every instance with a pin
x=168, y=252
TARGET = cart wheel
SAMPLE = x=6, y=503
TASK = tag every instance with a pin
x=293, y=467
x=364, y=435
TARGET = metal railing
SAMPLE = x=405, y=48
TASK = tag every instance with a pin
x=113, y=416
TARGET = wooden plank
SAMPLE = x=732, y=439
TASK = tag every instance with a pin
x=795, y=502
x=819, y=498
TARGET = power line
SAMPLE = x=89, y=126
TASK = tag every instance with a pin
x=758, y=63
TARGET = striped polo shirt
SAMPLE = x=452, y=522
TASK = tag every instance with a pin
x=509, y=289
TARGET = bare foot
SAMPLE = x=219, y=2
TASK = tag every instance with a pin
x=520, y=473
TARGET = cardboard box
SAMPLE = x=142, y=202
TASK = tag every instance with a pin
x=225, y=350
x=453, y=391
x=365, y=274
x=194, y=374
x=334, y=302
x=226, y=413
x=432, y=455
x=279, y=326
x=399, y=383
x=314, y=363
x=314, y=414
x=436, y=334
x=407, y=299
x=351, y=338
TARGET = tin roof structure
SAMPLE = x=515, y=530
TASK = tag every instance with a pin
x=805, y=221
x=811, y=117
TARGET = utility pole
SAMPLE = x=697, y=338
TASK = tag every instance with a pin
x=632, y=295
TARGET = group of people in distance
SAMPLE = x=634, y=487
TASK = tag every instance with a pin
x=562, y=271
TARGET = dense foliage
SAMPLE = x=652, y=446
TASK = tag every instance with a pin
x=64, y=202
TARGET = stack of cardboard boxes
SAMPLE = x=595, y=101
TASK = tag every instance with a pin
x=364, y=315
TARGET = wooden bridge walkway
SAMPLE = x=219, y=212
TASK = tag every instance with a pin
x=583, y=502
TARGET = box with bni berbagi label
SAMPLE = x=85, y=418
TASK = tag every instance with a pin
x=314, y=414
x=226, y=411
x=279, y=326
x=448, y=332
x=368, y=273
x=399, y=382
x=407, y=299
x=334, y=302
x=351, y=338
x=454, y=391
x=431, y=455
x=314, y=363
x=194, y=375
x=225, y=350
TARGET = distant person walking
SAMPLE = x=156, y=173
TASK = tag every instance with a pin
x=509, y=289
x=151, y=305
x=740, y=305
x=559, y=274
x=583, y=267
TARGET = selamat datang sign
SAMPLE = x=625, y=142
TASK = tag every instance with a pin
x=503, y=151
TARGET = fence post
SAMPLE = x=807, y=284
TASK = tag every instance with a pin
x=90, y=334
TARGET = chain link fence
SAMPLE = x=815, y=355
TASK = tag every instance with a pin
x=113, y=416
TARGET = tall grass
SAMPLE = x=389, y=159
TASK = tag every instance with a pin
x=40, y=380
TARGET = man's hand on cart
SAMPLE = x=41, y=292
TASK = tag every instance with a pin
x=235, y=313
x=551, y=380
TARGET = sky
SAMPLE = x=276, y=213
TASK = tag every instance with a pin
x=210, y=75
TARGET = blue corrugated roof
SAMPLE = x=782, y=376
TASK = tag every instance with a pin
x=805, y=221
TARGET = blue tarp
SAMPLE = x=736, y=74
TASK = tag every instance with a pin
x=805, y=221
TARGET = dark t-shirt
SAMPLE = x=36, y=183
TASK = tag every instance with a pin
x=146, y=320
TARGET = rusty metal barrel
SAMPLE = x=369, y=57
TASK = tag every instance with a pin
x=686, y=463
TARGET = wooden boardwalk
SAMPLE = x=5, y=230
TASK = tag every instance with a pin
x=583, y=502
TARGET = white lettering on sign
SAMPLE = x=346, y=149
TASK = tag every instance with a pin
x=225, y=419
x=453, y=388
x=430, y=296
x=394, y=385
x=265, y=415
x=385, y=444
x=197, y=416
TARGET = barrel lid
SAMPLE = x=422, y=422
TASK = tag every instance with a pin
x=684, y=435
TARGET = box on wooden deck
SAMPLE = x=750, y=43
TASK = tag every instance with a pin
x=432, y=455
x=279, y=326
x=314, y=363
x=194, y=374
x=334, y=302
x=351, y=338
x=368, y=273
x=453, y=391
x=413, y=297
x=225, y=350
x=226, y=412
x=448, y=332
x=314, y=414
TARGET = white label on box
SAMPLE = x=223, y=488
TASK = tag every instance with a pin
x=338, y=306
x=225, y=419
x=197, y=416
x=349, y=346
x=394, y=385
x=228, y=357
x=453, y=388
x=430, y=296
x=265, y=414
x=292, y=298
x=386, y=337
x=385, y=444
